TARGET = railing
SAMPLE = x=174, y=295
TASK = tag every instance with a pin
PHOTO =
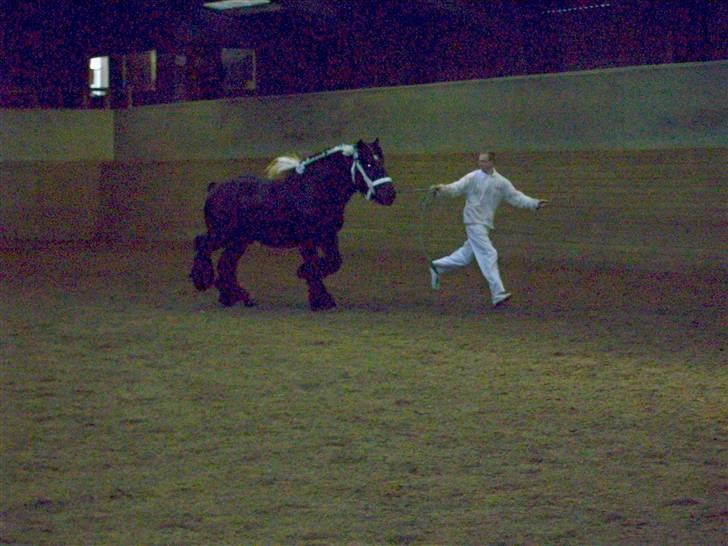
x=126, y=97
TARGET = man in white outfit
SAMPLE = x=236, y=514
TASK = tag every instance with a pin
x=484, y=189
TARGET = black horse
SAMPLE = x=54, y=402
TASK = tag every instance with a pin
x=304, y=209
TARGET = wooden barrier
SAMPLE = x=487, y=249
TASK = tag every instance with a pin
x=658, y=208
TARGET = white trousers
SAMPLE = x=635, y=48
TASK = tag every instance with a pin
x=477, y=246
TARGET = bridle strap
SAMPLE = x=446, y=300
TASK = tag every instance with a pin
x=371, y=184
x=350, y=151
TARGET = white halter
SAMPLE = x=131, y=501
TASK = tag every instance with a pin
x=349, y=151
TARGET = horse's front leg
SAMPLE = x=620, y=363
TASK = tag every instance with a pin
x=311, y=269
x=331, y=261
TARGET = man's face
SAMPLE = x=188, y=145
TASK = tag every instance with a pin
x=485, y=164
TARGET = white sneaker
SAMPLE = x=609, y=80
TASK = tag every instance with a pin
x=500, y=300
x=434, y=277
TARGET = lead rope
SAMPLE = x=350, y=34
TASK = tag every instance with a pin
x=425, y=205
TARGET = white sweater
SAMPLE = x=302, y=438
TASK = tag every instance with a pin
x=483, y=193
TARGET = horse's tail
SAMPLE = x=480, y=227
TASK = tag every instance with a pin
x=280, y=165
x=203, y=274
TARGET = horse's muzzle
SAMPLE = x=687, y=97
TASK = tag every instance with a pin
x=385, y=194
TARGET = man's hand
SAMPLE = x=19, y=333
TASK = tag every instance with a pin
x=435, y=189
x=541, y=203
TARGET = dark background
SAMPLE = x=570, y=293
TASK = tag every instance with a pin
x=316, y=45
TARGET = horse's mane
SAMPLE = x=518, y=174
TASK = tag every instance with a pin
x=281, y=166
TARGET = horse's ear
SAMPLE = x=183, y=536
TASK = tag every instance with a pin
x=377, y=148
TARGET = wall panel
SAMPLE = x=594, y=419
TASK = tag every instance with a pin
x=56, y=135
x=653, y=107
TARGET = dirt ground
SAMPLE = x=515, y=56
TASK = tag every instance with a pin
x=670, y=310
x=359, y=423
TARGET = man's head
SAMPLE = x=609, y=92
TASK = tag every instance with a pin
x=486, y=161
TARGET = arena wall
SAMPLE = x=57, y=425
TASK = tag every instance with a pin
x=656, y=107
x=50, y=163
x=633, y=161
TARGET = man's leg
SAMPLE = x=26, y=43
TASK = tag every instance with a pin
x=460, y=258
x=487, y=257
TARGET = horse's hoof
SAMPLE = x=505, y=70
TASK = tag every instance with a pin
x=201, y=284
x=202, y=274
x=226, y=301
x=323, y=305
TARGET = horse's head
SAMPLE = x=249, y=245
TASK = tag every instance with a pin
x=370, y=176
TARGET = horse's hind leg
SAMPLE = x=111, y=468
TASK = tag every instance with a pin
x=227, y=282
x=202, y=273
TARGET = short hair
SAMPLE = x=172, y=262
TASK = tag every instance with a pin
x=491, y=155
